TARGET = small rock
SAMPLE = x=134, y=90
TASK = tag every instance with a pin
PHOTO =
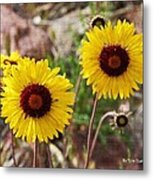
x=20, y=34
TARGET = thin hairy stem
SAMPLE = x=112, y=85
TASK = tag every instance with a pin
x=90, y=131
x=108, y=114
x=76, y=90
x=13, y=149
x=35, y=154
x=49, y=156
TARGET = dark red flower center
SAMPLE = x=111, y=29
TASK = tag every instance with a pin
x=35, y=100
x=114, y=60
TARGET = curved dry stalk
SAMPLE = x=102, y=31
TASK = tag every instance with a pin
x=90, y=130
x=112, y=114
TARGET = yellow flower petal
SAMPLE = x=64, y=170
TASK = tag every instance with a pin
x=111, y=60
x=40, y=101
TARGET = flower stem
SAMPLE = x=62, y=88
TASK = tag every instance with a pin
x=90, y=131
x=49, y=156
x=35, y=152
x=13, y=149
x=112, y=113
x=76, y=90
